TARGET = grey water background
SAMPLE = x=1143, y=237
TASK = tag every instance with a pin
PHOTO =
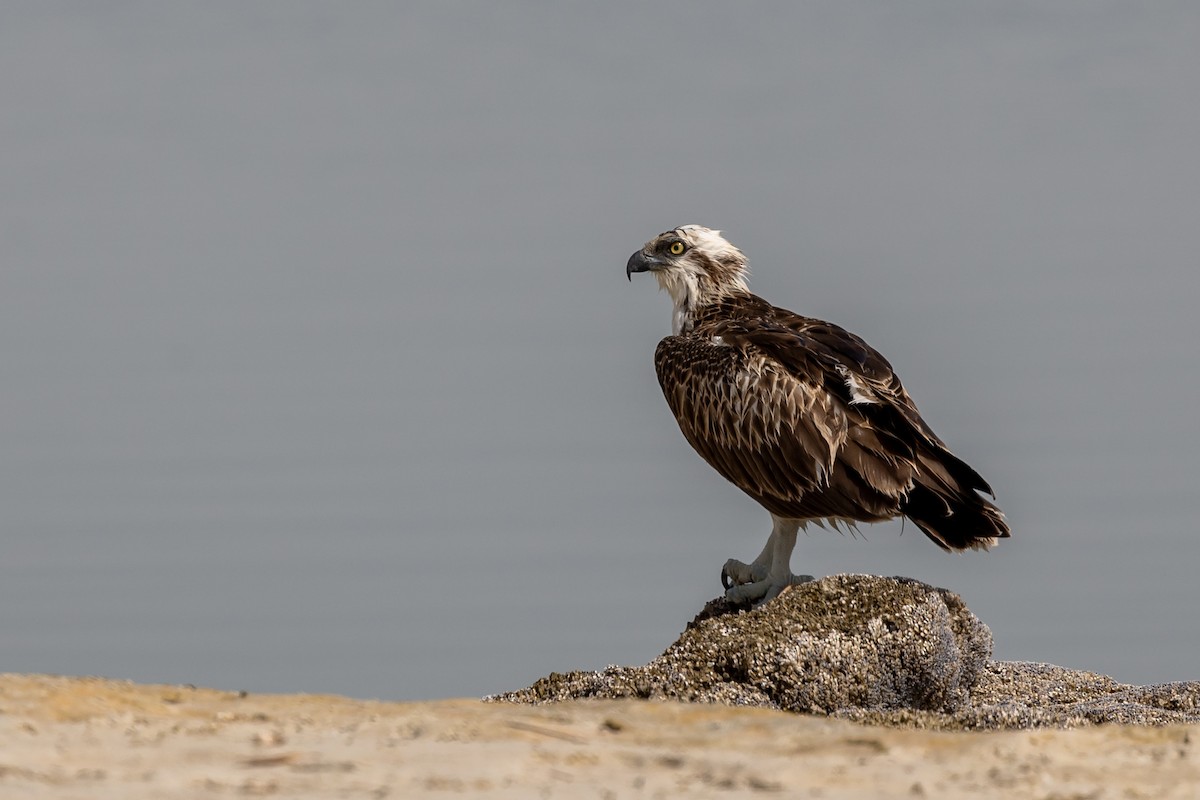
x=321, y=371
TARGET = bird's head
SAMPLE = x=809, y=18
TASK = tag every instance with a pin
x=695, y=265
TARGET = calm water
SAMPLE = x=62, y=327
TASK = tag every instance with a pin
x=321, y=371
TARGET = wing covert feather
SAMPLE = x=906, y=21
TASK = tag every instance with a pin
x=773, y=435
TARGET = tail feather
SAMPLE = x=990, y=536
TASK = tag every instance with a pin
x=946, y=505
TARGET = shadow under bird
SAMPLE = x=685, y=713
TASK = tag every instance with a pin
x=800, y=414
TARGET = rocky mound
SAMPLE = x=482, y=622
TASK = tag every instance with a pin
x=890, y=651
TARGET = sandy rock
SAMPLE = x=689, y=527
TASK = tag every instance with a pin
x=884, y=651
x=843, y=642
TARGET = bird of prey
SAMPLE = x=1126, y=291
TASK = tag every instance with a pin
x=800, y=414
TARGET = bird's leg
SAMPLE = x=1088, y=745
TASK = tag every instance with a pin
x=768, y=574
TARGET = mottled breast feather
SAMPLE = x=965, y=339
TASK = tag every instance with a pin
x=810, y=421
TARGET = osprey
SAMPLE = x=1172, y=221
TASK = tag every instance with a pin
x=803, y=416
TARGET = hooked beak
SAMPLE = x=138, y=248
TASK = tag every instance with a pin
x=640, y=262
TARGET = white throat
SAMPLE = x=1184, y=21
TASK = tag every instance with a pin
x=684, y=288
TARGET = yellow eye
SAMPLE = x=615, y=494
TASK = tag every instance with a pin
x=677, y=248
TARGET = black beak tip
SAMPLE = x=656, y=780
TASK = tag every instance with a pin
x=638, y=262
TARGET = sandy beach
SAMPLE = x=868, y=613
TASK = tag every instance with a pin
x=64, y=737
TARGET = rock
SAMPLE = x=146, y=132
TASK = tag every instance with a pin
x=885, y=651
x=1017, y=694
x=843, y=642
